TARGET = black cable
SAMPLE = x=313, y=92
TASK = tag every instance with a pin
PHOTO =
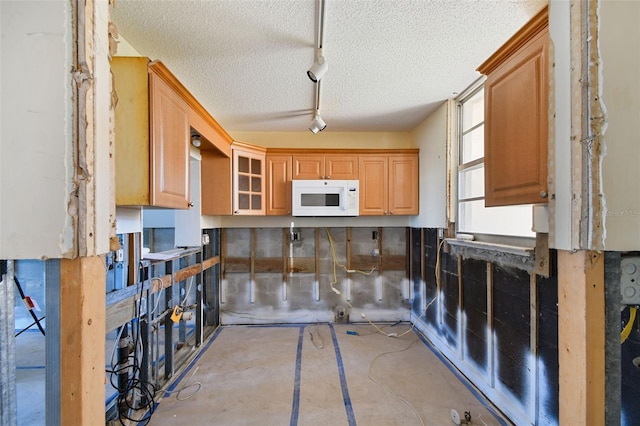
x=33, y=314
x=28, y=327
x=133, y=394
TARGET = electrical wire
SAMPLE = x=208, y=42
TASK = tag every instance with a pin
x=386, y=388
x=158, y=296
x=186, y=294
x=135, y=395
x=28, y=327
x=374, y=325
x=33, y=314
x=317, y=346
x=438, y=260
x=197, y=385
x=626, y=331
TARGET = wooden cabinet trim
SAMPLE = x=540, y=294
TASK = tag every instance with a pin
x=535, y=25
x=248, y=147
x=199, y=117
x=346, y=151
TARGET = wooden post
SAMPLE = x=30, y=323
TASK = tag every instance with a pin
x=82, y=340
x=581, y=337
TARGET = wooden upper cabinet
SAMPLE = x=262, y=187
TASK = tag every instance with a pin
x=170, y=134
x=374, y=193
x=389, y=185
x=278, y=178
x=325, y=166
x=341, y=167
x=517, y=116
x=152, y=136
x=403, y=185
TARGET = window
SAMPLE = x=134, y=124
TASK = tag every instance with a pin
x=473, y=216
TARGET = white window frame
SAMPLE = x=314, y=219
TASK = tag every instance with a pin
x=496, y=224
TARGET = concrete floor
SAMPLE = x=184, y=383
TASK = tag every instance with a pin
x=319, y=375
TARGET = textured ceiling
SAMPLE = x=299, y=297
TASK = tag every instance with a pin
x=391, y=62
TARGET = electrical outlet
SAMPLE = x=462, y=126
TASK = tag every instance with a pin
x=440, y=233
x=341, y=314
x=630, y=280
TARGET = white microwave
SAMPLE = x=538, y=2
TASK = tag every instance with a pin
x=325, y=198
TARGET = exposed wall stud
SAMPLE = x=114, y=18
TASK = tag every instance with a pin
x=533, y=343
x=581, y=337
x=52, y=343
x=8, y=414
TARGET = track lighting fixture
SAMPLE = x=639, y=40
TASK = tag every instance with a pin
x=318, y=124
x=318, y=69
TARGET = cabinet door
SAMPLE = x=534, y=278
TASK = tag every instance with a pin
x=169, y=146
x=516, y=127
x=374, y=177
x=340, y=167
x=248, y=183
x=308, y=166
x=403, y=185
x=278, y=185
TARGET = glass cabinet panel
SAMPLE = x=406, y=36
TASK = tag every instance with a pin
x=249, y=182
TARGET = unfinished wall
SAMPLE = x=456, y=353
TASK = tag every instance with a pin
x=266, y=278
x=497, y=324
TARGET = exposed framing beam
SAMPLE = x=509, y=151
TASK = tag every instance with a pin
x=533, y=344
x=82, y=324
x=581, y=337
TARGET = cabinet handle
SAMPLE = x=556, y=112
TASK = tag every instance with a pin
x=543, y=194
x=328, y=177
x=191, y=204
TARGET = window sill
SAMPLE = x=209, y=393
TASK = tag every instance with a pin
x=519, y=257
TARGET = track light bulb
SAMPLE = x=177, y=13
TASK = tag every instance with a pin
x=318, y=124
x=195, y=141
x=318, y=69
